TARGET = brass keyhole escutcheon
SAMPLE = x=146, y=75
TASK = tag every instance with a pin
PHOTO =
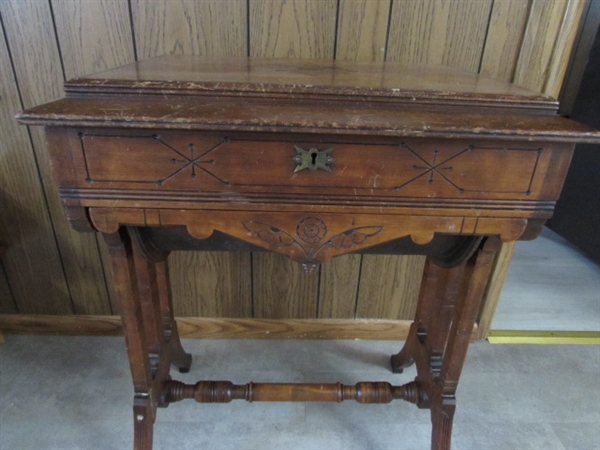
x=313, y=159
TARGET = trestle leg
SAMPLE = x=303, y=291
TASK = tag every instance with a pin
x=449, y=303
x=142, y=288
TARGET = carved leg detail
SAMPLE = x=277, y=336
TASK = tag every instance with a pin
x=427, y=304
x=180, y=359
x=448, y=308
x=155, y=287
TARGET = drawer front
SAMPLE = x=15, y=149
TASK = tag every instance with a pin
x=204, y=163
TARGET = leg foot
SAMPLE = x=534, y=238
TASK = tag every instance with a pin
x=404, y=358
x=399, y=362
x=181, y=360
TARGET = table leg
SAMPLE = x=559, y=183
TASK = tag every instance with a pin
x=126, y=289
x=443, y=388
x=143, y=290
x=429, y=301
x=157, y=303
x=448, y=307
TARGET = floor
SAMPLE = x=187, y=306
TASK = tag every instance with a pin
x=550, y=286
x=75, y=393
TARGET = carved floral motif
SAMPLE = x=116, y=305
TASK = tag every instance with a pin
x=311, y=231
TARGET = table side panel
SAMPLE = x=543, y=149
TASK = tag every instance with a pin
x=149, y=165
x=247, y=186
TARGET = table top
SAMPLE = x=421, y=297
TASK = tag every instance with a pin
x=287, y=95
x=268, y=77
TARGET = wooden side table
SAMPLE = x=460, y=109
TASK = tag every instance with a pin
x=312, y=159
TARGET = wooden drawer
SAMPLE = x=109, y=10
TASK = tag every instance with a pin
x=243, y=167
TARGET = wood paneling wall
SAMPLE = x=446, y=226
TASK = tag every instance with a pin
x=48, y=268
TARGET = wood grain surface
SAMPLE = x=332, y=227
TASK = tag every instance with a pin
x=527, y=41
x=492, y=295
x=35, y=53
x=213, y=27
x=213, y=328
x=292, y=28
x=389, y=286
x=338, y=287
x=7, y=302
x=32, y=261
x=362, y=30
x=544, y=51
x=434, y=32
x=209, y=284
x=504, y=37
x=282, y=289
x=93, y=36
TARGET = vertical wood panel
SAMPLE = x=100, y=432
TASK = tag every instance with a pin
x=362, y=29
x=564, y=46
x=543, y=26
x=448, y=32
x=492, y=293
x=7, y=301
x=392, y=280
x=362, y=32
x=36, y=59
x=504, y=39
x=295, y=29
x=31, y=261
x=281, y=288
x=338, y=287
x=93, y=35
x=292, y=28
x=209, y=284
x=528, y=38
x=209, y=27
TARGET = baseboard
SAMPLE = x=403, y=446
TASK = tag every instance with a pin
x=211, y=328
x=543, y=337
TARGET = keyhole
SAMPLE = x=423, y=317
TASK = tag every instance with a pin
x=313, y=155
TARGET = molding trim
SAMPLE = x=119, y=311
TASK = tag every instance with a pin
x=543, y=337
x=214, y=328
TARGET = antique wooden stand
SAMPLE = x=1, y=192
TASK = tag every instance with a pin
x=312, y=159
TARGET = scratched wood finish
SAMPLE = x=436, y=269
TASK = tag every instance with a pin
x=98, y=35
x=35, y=52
